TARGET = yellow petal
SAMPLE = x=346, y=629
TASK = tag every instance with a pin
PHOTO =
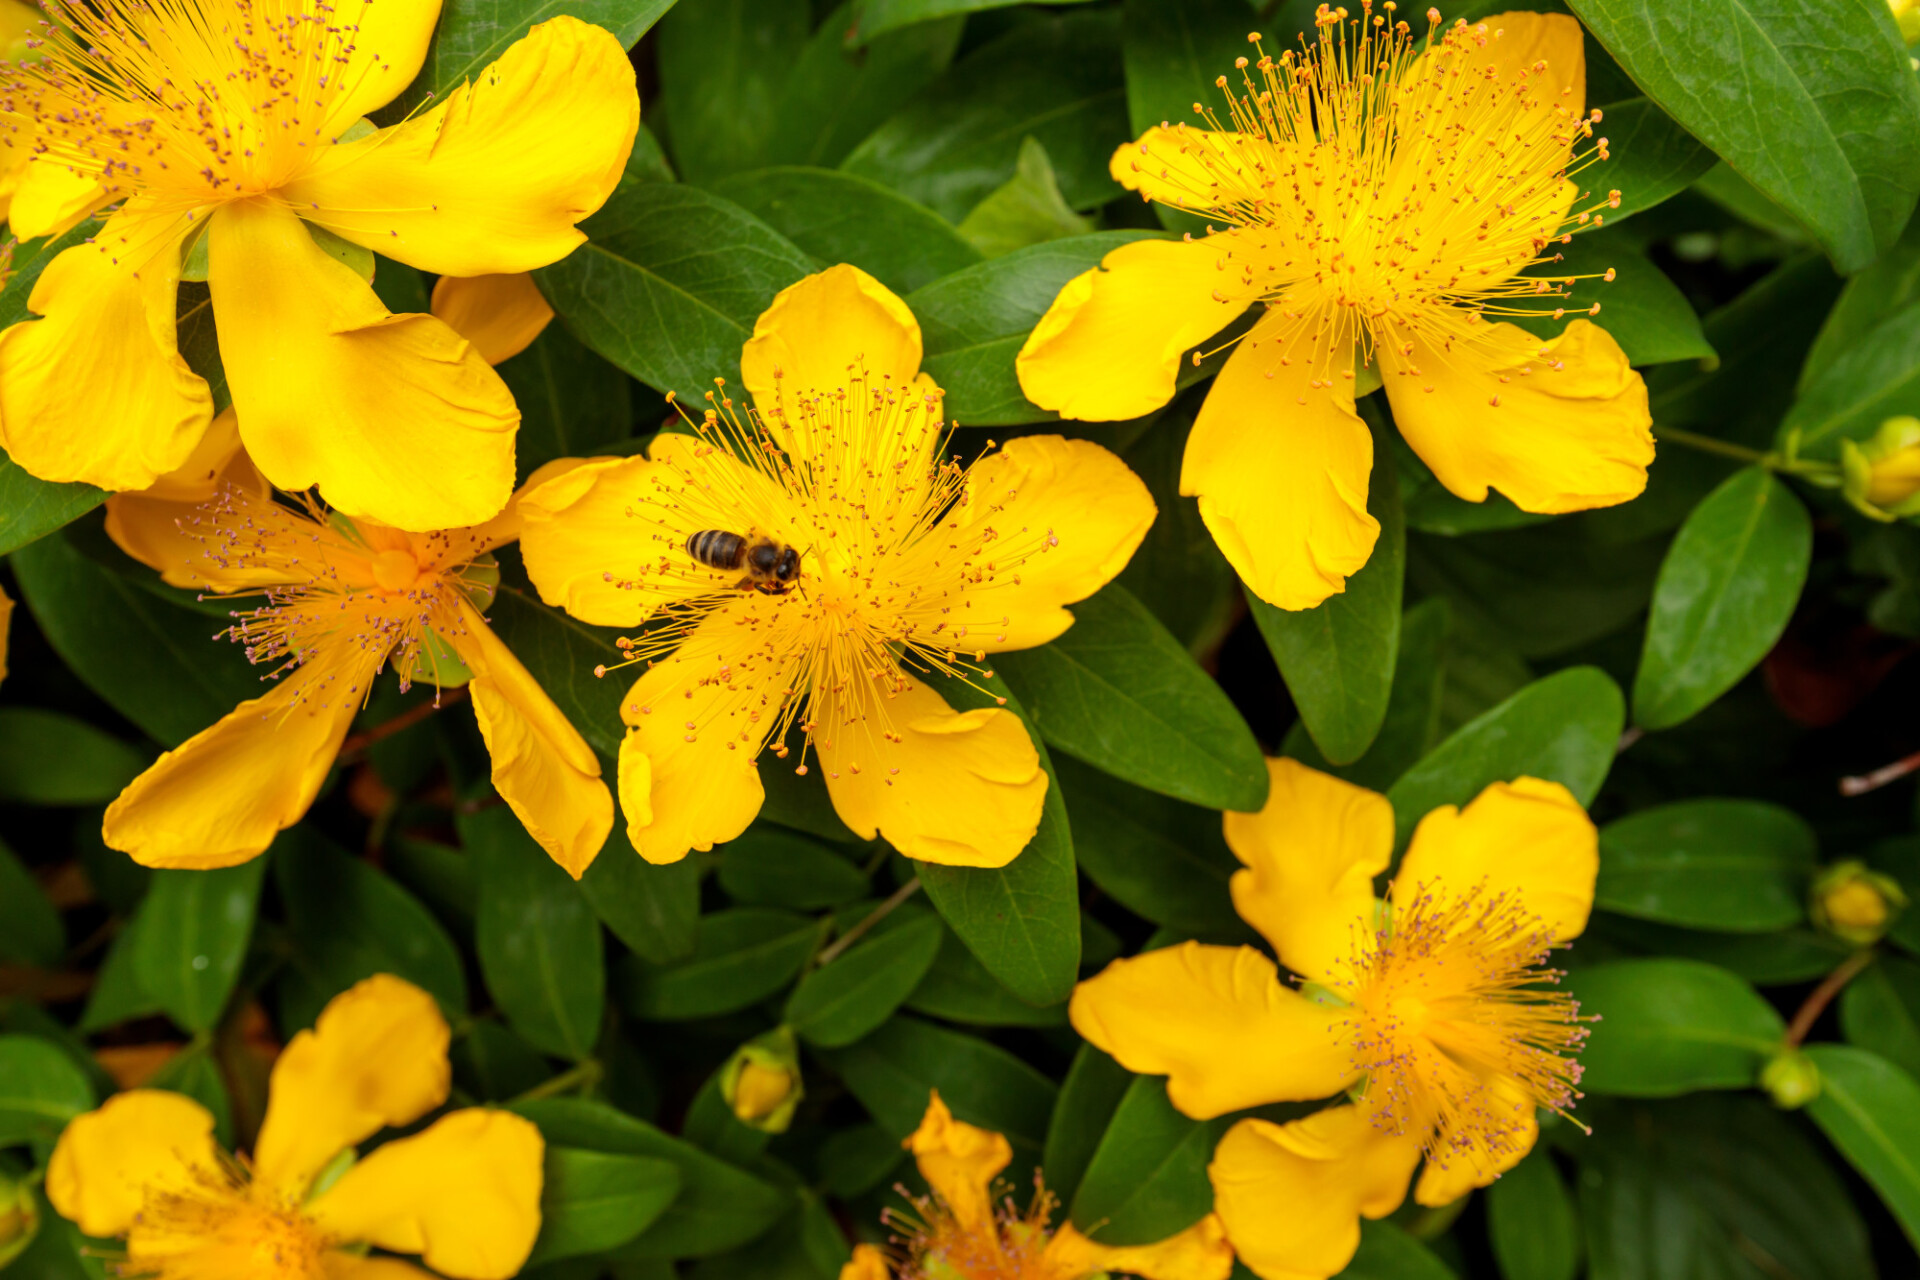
x=1450, y=1174
x=500, y=315
x=221, y=796
x=98, y=391
x=377, y=1056
x=389, y=47
x=1292, y=1195
x=1069, y=515
x=542, y=767
x=1110, y=345
x=1571, y=430
x=695, y=723
x=1527, y=40
x=161, y=525
x=394, y=417
x=138, y=1144
x=960, y=788
x=1310, y=855
x=49, y=198
x=464, y=1195
x=347, y=1266
x=494, y=178
x=1526, y=836
x=1200, y=1252
x=867, y=1263
x=1193, y=168
x=959, y=1161
x=1281, y=465
x=506, y=526
x=1217, y=1022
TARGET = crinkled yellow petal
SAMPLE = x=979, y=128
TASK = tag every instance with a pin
x=1450, y=1174
x=494, y=178
x=959, y=788
x=696, y=721
x=1525, y=42
x=542, y=767
x=377, y=1056
x=1571, y=429
x=49, y=198
x=1311, y=855
x=867, y=1263
x=389, y=47
x=959, y=1161
x=163, y=527
x=97, y=390
x=220, y=797
x=1218, y=1023
x=1069, y=515
x=394, y=417
x=1280, y=462
x=1110, y=345
x=1292, y=1195
x=464, y=1194
x=1528, y=837
x=1200, y=1252
x=109, y=1162
x=500, y=315
x=506, y=526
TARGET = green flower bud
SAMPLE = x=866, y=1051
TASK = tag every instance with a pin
x=1791, y=1080
x=761, y=1082
x=19, y=1217
x=1855, y=904
x=1881, y=477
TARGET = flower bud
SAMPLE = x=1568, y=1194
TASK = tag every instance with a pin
x=1791, y=1080
x=1855, y=904
x=19, y=1218
x=1881, y=477
x=761, y=1082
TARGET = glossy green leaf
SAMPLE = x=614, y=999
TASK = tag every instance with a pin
x=1870, y=298
x=1388, y=1253
x=842, y=1001
x=1671, y=1026
x=1531, y=1223
x=892, y=1071
x=770, y=866
x=1640, y=308
x=572, y=402
x=194, y=929
x=671, y=283
x=1880, y=1012
x=1411, y=725
x=40, y=1090
x=1870, y=1110
x=1173, y=51
x=538, y=942
x=878, y=17
x=1338, y=657
x=1093, y=1089
x=1738, y=866
x=1148, y=1177
x=1765, y=959
x=1869, y=381
x=958, y=988
x=592, y=1201
x=1836, y=144
x=723, y=64
x=653, y=909
x=1653, y=158
x=1161, y=859
x=30, y=928
x=1563, y=728
x=493, y=1064
x=1026, y=209
x=1177, y=572
x=838, y=90
x=739, y=958
x=474, y=33
x=856, y=1158
x=1726, y=590
x=561, y=653
x=1119, y=692
x=838, y=217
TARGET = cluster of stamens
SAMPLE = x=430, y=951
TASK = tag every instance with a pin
x=930, y=1243
x=217, y=1227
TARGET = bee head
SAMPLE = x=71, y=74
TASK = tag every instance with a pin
x=789, y=566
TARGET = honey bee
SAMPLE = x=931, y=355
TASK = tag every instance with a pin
x=772, y=567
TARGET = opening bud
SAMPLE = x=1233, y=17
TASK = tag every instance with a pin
x=1855, y=904
x=761, y=1082
x=19, y=1217
x=1880, y=477
x=1791, y=1080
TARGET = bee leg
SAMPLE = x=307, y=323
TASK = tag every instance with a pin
x=745, y=583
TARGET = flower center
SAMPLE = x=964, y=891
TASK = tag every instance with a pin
x=219, y=1230
x=395, y=570
x=1456, y=1024
x=1011, y=1245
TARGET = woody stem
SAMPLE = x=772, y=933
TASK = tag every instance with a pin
x=1816, y=1003
x=405, y=720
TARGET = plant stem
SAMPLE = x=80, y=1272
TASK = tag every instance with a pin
x=1816, y=1004
x=405, y=720
x=1707, y=444
x=873, y=917
x=583, y=1075
x=1860, y=784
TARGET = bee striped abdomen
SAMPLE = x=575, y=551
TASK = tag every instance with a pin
x=717, y=549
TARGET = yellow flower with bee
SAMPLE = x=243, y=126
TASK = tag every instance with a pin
x=1380, y=197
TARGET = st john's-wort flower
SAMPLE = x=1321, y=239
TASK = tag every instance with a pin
x=231, y=126
x=1379, y=198
x=964, y=1231
x=907, y=559
x=464, y=1193
x=1432, y=1007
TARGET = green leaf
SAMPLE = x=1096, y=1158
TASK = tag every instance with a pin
x=347, y=922
x=1563, y=728
x=958, y=988
x=975, y=321
x=1089, y=1096
x=194, y=929
x=571, y=401
x=1119, y=692
x=30, y=928
x=1737, y=866
x=837, y=217
x=1412, y=723
x=740, y=957
x=1531, y=1224
x=1148, y=1177
x=538, y=942
x=47, y=758
x=1880, y=1012
x=653, y=909
x=1671, y=1026
x=1026, y=209
x=723, y=64
x=493, y=1064
x=592, y=1201
x=1766, y=959
x=671, y=283
x=155, y=663
x=1643, y=310
x=893, y=1071
x=1870, y=298
x=1873, y=379
x=1338, y=658
x=561, y=653
x=194, y=1072
x=118, y=994
x=40, y=1090
x=1177, y=572
x=719, y=1207
x=1870, y=1110
x=474, y=33
x=769, y=866
x=877, y=17
x=1835, y=146
x=1653, y=160
x=1161, y=859
x=1056, y=80
x=1388, y=1253
x=1726, y=591
x=1173, y=50
x=842, y=1001
x=836, y=93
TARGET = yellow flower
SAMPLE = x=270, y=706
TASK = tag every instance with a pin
x=1430, y=1007
x=1881, y=478
x=222, y=126
x=959, y=1233
x=343, y=599
x=500, y=315
x=18, y=23
x=1379, y=198
x=902, y=558
x=464, y=1193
